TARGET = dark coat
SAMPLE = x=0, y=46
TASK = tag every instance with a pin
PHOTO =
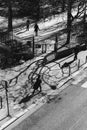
x=36, y=28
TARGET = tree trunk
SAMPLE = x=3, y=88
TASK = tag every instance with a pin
x=63, y=5
x=84, y=17
x=84, y=24
x=69, y=21
x=10, y=28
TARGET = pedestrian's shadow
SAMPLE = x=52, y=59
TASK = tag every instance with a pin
x=25, y=99
x=28, y=98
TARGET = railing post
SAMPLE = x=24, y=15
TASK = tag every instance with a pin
x=62, y=72
x=56, y=43
x=78, y=64
x=33, y=46
x=0, y=102
x=69, y=70
x=6, y=91
x=42, y=48
x=45, y=48
x=86, y=60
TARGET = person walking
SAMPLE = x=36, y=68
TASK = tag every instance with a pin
x=36, y=28
x=27, y=25
x=37, y=85
x=76, y=50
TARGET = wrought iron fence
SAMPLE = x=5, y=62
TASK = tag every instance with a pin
x=65, y=72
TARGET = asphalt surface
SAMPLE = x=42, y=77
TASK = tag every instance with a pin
x=66, y=111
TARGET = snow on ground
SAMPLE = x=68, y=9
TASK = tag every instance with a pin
x=43, y=25
x=46, y=28
x=1, y=19
x=54, y=71
x=15, y=22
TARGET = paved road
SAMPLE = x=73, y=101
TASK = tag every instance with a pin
x=67, y=111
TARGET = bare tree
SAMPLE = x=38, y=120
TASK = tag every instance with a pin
x=63, y=5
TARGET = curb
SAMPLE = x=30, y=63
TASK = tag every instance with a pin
x=40, y=102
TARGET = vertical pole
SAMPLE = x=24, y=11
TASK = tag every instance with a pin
x=6, y=92
x=33, y=47
x=10, y=28
x=78, y=64
x=86, y=59
x=69, y=70
x=62, y=72
x=1, y=102
x=56, y=43
x=84, y=21
x=69, y=21
x=42, y=48
x=45, y=48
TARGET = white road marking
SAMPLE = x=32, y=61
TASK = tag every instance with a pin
x=74, y=125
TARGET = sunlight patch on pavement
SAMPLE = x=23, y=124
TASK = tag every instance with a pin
x=84, y=85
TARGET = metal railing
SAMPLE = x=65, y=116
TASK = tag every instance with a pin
x=65, y=71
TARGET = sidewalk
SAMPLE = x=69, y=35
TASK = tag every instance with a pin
x=40, y=100
x=3, y=113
